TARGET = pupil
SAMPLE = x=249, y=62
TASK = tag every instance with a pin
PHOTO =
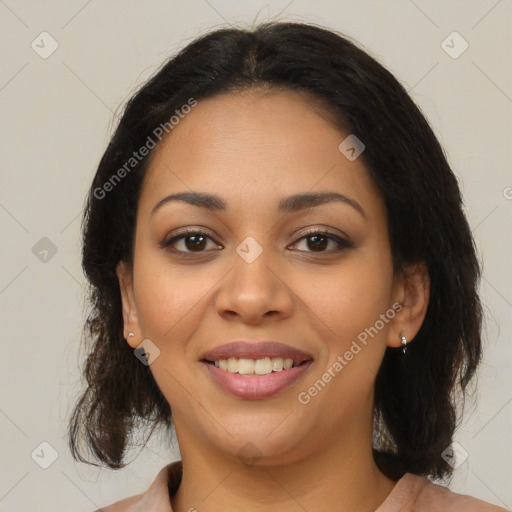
x=198, y=244
x=319, y=241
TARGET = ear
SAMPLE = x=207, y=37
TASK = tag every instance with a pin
x=412, y=291
x=131, y=323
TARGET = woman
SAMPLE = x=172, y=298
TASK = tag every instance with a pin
x=278, y=254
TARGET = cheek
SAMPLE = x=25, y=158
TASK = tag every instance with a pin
x=347, y=307
x=168, y=300
x=350, y=303
x=348, y=298
x=169, y=306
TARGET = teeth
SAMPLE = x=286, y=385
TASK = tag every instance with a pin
x=246, y=366
x=263, y=366
x=277, y=364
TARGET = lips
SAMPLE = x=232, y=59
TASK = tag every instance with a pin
x=256, y=387
x=256, y=350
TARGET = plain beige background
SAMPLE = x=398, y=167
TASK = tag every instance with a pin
x=56, y=117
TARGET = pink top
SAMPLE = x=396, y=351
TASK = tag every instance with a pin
x=411, y=493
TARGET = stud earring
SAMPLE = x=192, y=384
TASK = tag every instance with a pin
x=131, y=334
x=403, y=340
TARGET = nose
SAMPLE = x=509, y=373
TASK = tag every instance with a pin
x=253, y=292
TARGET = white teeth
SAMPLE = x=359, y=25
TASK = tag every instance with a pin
x=277, y=364
x=232, y=365
x=246, y=366
x=264, y=366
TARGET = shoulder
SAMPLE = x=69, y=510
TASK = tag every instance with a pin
x=126, y=505
x=156, y=498
x=419, y=494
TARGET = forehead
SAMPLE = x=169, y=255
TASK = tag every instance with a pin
x=253, y=148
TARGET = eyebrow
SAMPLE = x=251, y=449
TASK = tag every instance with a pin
x=286, y=205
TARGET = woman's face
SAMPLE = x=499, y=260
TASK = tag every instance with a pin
x=254, y=272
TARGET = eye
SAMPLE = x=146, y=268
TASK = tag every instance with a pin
x=190, y=241
x=196, y=241
x=318, y=240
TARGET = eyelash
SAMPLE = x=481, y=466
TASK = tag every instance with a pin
x=342, y=243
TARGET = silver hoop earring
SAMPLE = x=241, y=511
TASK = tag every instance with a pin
x=403, y=340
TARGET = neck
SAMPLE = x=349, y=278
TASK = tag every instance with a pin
x=339, y=476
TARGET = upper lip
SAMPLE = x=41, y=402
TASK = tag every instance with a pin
x=256, y=350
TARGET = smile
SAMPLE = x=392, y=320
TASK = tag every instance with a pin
x=263, y=366
x=254, y=386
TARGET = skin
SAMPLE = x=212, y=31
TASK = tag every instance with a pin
x=252, y=149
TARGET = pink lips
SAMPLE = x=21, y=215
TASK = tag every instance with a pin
x=256, y=386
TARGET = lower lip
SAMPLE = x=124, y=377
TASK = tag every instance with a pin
x=254, y=387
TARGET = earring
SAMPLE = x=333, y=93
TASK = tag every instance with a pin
x=131, y=334
x=404, y=342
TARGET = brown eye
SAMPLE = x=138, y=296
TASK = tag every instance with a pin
x=189, y=242
x=318, y=241
x=194, y=242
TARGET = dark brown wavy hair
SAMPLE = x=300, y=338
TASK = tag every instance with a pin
x=417, y=395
